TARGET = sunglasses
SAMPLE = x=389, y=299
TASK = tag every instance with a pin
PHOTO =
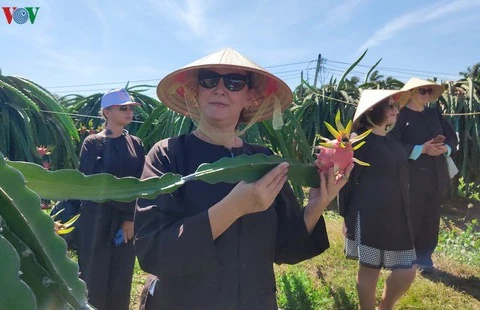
x=124, y=108
x=232, y=81
x=423, y=91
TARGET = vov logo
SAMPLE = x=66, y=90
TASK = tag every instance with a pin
x=20, y=15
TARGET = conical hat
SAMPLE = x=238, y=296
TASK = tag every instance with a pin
x=371, y=97
x=417, y=83
x=180, y=86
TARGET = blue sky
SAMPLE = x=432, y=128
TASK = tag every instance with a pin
x=87, y=42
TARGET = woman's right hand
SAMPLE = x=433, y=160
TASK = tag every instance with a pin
x=246, y=198
x=433, y=149
x=259, y=195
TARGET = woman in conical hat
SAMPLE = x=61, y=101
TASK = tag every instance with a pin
x=374, y=203
x=429, y=139
x=212, y=246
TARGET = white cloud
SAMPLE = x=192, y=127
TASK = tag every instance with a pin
x=190, y=13
x=342, y=12
x=73, y=61
x=102, y=18
x=416, y=18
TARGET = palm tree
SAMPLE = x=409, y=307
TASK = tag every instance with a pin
x=376, y=77
x=472, y=72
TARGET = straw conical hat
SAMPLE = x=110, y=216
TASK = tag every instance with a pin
x=417, y=83
x=371, y=97
x=177, y=89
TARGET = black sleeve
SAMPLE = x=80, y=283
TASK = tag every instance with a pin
x=294, y=243
x=450, y=134
x=344, y=195
x=88, y=156
x=127, y=209
x=168, y=242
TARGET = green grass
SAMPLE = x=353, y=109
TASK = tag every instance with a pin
x=461, y=245
x=328, y=280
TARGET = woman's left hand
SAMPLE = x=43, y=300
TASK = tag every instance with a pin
x=127, y=227
x=330, y=185
x=437, y=149
x=320, y=198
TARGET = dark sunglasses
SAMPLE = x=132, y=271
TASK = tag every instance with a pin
x=423, y=91
x=232, y=81
x=124, y=108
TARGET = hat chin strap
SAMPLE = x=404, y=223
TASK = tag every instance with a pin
x=277, y=121
x=387, y=128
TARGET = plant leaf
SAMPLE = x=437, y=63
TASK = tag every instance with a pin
x=250, y=168
x=20, y=208
x=72, y=184
x=14, y=292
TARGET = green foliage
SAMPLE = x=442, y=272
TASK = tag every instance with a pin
x=31, y=116
x=32, y=251
x=461, y=245
x=297, y=291
x=15, y=292
x=470, y=190
x=461, y=103
x=71, y=184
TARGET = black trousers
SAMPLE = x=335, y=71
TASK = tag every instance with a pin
x=425, y=199
x=107, y=269
x=108, y=273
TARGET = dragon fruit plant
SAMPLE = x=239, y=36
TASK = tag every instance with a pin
x=338, y=153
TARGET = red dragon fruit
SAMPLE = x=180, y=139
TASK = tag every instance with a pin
x=338, y=153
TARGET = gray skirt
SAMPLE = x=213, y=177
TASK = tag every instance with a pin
x=377, y=258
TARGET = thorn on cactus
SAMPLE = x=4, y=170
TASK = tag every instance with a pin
x=338, y=153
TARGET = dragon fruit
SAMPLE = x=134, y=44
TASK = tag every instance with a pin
x=338, y=153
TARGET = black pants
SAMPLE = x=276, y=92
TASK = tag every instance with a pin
x=425, y=201
x=107, y=269
x=108, y=272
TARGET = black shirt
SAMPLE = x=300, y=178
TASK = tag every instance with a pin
x=380, y=194
x=235, y=271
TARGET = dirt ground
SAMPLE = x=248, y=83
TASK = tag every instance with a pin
x=461, y=210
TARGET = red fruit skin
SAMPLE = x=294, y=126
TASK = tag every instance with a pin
x=41, y=151
x=335, y=156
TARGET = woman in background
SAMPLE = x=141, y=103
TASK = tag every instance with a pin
x=105, y=254
x=374, y=203
x=428, y=139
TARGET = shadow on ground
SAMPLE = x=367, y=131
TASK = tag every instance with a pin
x=468, y=285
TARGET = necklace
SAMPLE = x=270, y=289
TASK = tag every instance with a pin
x=202, y=136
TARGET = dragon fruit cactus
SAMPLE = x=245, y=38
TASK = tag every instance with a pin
x=338, y=153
